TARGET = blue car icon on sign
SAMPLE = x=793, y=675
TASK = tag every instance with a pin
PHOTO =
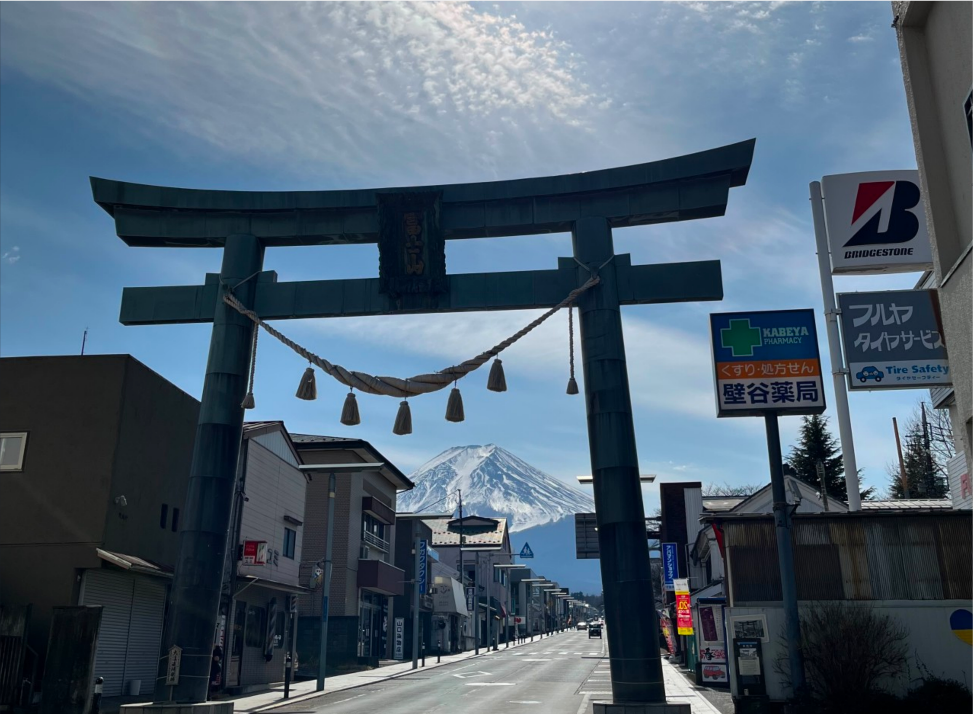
x=868, y=373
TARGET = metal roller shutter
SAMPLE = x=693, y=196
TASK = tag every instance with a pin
x=131, y=627
x=145, y=632
x=113, y=592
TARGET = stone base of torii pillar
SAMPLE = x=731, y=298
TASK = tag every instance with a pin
x=643, y=708
x=177, y=708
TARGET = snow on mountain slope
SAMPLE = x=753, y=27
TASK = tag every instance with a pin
x=494, y=482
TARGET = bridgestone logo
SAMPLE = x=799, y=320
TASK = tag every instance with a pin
x=877, y=252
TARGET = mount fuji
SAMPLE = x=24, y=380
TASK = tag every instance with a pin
x=539, y=508
x=494, y=482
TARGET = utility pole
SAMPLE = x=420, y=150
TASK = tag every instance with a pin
x=462, y=540
x=415, y=596
x=326, y=586
x=903, y=479
x=929, y=480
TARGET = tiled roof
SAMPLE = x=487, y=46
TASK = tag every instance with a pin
x=907, y=504
x=446, y=533
x=313, y=439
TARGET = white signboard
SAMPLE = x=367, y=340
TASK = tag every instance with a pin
x=398, y=651
x=172, y=665
x=893, y=340
x=876, y=222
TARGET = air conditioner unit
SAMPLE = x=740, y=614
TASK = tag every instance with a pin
x=363, y=553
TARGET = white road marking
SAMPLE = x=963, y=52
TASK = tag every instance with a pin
x=526, y=701
x=472, y=674
x=490, y=684
x=535, y=660
x=349, y=699
x=584, y=703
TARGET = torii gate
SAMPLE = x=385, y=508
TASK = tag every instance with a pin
x=589, y=205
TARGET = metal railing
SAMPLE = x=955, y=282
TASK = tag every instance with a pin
x=374, y=541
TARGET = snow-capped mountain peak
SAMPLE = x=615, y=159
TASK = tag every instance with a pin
x=493, y=482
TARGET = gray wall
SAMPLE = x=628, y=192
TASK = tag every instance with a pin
x=99, y=426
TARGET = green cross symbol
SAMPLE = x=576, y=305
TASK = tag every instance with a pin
x=740, y=338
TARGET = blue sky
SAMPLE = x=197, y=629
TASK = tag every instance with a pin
x=327, y=96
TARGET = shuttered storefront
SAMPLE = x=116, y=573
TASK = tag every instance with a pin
x=130, y=637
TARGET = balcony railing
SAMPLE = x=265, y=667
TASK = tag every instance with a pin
x=374, y=541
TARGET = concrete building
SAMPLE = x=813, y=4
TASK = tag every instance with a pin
x=263, y=560
x=407, y=532
x=364, y=579
x=936, y=51
x=91, y=505
x=486, y=542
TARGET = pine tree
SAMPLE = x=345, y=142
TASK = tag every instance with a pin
x=924, y=479
x=816, y=443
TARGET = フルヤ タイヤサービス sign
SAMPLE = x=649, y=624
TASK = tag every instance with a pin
x=766, y=362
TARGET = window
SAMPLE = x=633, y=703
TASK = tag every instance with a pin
x=164, y=515
x=239, y=618
x=256, y=626
x=12, y=447
x=290, y=542
x=372, y=525
x=175, y=520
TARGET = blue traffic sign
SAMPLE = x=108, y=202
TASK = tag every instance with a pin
x=422, y=567
x=526, y=552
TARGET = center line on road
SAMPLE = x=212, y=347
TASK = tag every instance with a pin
x=490, y=684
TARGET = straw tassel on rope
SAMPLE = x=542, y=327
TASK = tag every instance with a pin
x=248, y=400
x=454, y=407
x=497, y=382
x=403, y=419
x=349, y=412
x=572, y=382
x=308, y=388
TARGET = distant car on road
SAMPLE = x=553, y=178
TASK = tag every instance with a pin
x=582, y=625
x=868, y=373
x=594, y=630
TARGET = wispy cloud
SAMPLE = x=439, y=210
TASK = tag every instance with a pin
x=11, y=256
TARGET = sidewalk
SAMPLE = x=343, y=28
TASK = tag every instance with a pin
x=302, y=691
x=679, y=690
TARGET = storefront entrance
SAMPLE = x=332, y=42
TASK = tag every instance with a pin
x=372, y=625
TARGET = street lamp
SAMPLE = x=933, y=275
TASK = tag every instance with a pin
x=506, y=622
x=415, y=517
x=331, y=470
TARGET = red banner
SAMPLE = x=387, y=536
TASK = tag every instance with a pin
x=684, y=613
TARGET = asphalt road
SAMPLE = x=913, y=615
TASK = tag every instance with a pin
x=557, y=674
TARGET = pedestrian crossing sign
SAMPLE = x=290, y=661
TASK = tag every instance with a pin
x=526, y=552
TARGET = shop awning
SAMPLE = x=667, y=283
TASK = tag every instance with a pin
x=134, y=563
x=246, y=581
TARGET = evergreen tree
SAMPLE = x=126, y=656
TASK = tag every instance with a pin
x=924, y=479
x=816, y=443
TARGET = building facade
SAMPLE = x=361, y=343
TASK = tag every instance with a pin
x=91, y=507
x=364, y=578
x=263, y=561
x=935, y=47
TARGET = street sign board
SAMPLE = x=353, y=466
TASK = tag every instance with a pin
x=876, y=222
x=893, y=340
x=684, y=614
x=670, y=566
x=398, y=648
x=422, y=567
x=586, y=536
x=173, y=663
x=254, y=552
x=526, y=552
x=766, y=361
x=470, y=604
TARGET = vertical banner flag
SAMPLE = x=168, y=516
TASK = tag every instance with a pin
x=670, y=566
x=766, y=361
x=398, y=648
x=684, y=615
x=893, y=340
x=422, y=567
x=470, y=605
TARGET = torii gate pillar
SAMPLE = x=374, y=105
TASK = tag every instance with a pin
x=636, y=669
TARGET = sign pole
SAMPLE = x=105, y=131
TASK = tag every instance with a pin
x=838, y=370
x=785, y=554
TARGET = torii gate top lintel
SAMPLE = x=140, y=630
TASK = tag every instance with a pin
x=674, y=189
